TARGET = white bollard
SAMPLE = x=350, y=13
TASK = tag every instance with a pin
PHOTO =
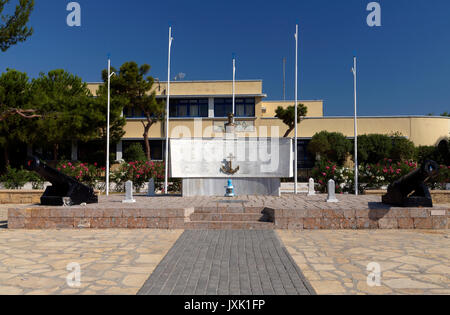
x=332, y=191
x=311, y=190
x=151, y=188
x=129, y=192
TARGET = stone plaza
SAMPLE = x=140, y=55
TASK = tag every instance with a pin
x=243, y=245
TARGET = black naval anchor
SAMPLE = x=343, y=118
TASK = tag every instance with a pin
x=228, y=167
x=63, y=186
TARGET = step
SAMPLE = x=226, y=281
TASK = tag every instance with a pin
x=227, y=225
x=248, y=210
x=230, y=217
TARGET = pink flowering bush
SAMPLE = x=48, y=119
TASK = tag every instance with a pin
x=372, y=176
x=384, y=173
x=327, y=170
x=139, y=172
x=88, y=174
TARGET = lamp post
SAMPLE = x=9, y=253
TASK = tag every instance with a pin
x=166, y=181
x=108, y=118
x=296, y=113
x=354, y=71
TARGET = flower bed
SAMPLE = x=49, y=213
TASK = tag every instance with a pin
x=138, y=172
x=372, y=176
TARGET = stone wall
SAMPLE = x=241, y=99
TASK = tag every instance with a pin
x=78, y=218
x=20, y=196
x=287, y=219
x=439, y=196
x=361, y=219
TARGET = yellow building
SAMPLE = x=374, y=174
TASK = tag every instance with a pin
x=199, y=109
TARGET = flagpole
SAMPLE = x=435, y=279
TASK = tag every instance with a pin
x=354, y=70
x=296, y=113
x=234, y=85
x=166, y=181
x=108, y=125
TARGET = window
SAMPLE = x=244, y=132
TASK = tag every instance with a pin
x=189, y=107
x=245, y=107
x=131, y=112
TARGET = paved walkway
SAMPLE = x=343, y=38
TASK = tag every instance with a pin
x=111, y=261
x=335, y=262
x=227, y=263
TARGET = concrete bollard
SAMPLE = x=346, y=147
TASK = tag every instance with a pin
x=151, y=188
x=332, y=191
x=311, y=190
x=129, y=192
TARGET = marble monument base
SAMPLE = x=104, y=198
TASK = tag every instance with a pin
x=193, y=187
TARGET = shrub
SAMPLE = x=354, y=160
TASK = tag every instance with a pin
x=375, y=176
x=330, y=146
x=326, y=170
x=15, y=178
x=37, y=182
x=86, y=173
x=442, y=179
x=373, y=148
x=140, y=172
x=134, y=153
x=402, y=149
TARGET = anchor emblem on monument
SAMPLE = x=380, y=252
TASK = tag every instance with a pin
x=228, y=167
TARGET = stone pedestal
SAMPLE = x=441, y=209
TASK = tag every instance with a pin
x=242, y=186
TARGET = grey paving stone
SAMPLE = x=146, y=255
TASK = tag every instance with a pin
x=240, y=262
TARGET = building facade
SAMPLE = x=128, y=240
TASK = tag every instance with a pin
x=199, y=109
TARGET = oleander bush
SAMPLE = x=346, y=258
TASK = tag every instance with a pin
x=140, y=172
x=372, y=176
x=88, y=174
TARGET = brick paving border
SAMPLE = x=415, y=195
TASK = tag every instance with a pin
x=227, y=263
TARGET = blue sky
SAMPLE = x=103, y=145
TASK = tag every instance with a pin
x=404, y=66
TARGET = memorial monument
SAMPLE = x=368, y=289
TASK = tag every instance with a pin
x=255, y=165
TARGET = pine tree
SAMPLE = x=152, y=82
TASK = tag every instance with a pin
x=13, y=28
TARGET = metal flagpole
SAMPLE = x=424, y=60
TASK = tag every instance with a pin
x=107, y=125
x=166, y=181
x=234, y=85
x=356, y=128
x=296, y=112
x=284, y=79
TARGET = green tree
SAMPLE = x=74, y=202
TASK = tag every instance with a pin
x=78, y=115
x=287, y=115
x=13, y=28
x=16, y=124
x=134, y=153
x=331, y=146
x=402, y=149
x=132, y=88
x=374, y=147
x=117, y=121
